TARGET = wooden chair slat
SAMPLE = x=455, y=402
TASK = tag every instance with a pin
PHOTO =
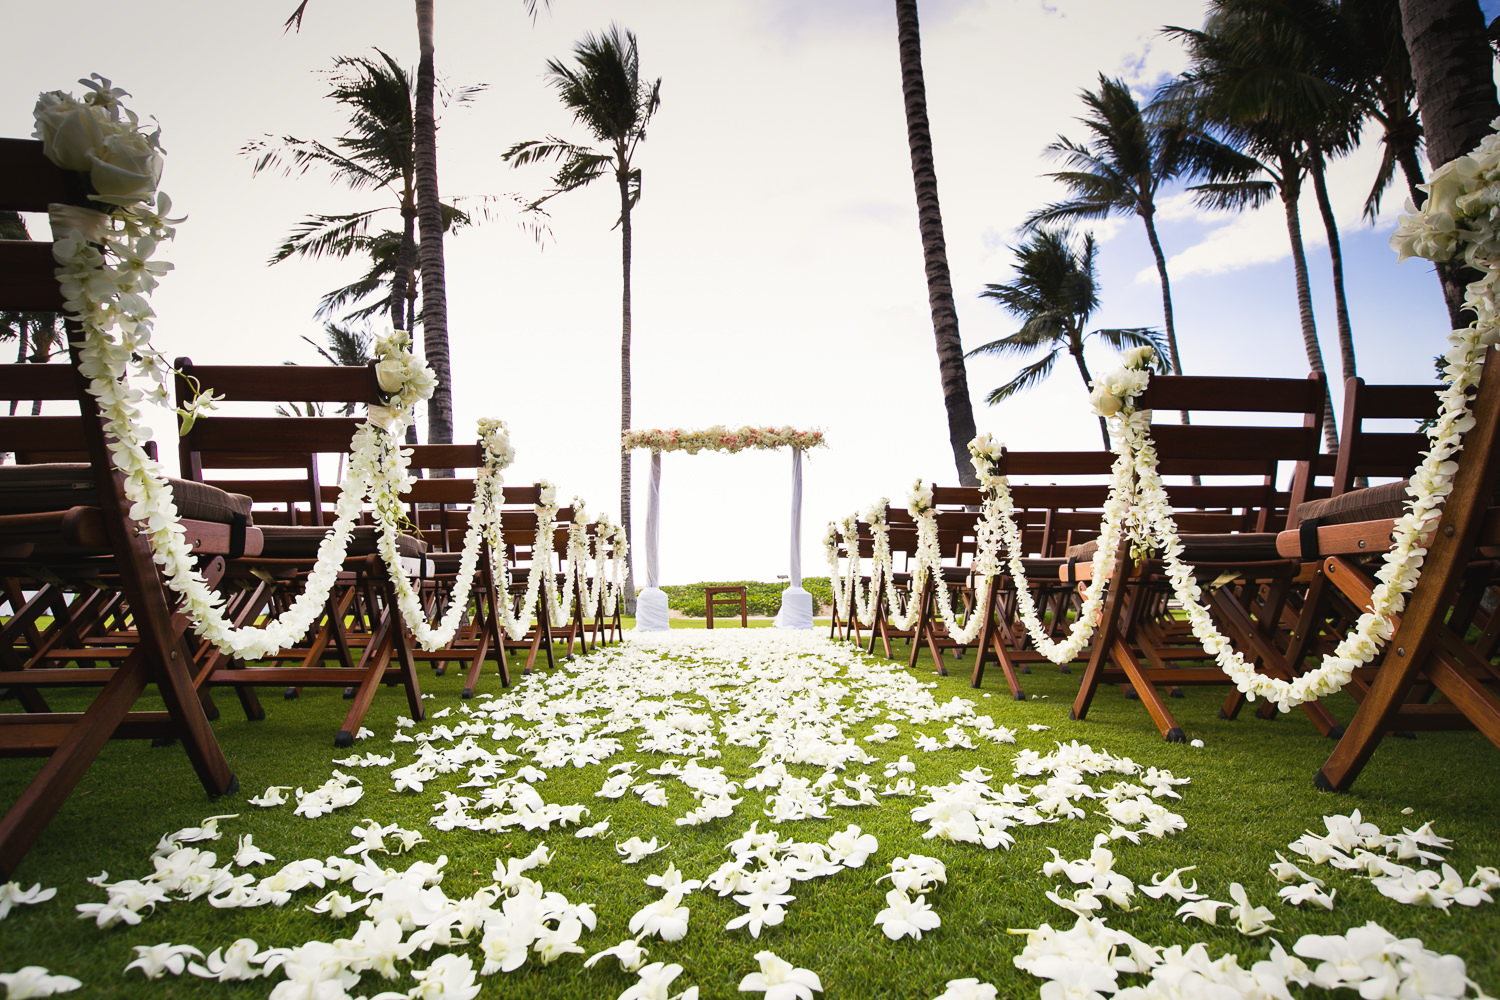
x=29, y=182
x=27, y=277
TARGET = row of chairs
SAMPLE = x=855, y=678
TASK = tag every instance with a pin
x=88, y=624
x=1285, y=542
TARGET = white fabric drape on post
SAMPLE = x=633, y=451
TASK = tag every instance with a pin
x=796, y=517
x=651, y=604
x=653, y=521
x=796, y=603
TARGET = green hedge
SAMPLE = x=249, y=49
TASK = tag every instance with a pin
x=761, y=598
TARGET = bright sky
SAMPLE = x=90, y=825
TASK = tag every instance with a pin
x=777, y=269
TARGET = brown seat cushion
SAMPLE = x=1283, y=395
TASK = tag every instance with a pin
x=444, y=562
x=1084, y=552
x=1243, y=547
x=27, y=489
x=1372, y=504
x=284, y=541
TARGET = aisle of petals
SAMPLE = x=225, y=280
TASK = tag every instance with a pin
x=652, y=718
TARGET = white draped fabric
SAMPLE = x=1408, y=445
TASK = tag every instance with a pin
x=796, y=603
x=651, y=604
x=653, y=522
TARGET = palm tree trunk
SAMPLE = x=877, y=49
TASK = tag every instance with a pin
x=1453, y=69
x=1173, y=358
x=401, y=278
x=950, y=351
x=624, y=178
x=1076, y=349
x=430, y=227
x=1291, y=188
x=1412, y=168
x=22, y=339
x=1336, y=256
x=1166, y=292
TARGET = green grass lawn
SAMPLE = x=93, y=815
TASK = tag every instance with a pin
x=1251, y=794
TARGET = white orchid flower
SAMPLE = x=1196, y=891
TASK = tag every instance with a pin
x=1206, y=910
x=629, y=952
x=904, y=916
x=272, y=796
x=11, y=894
x=666, y=918
x=671, y=880
x=1249, y=920
x=780, y=980
x=36, y=981
x=635, y=849
x=240, y=961
x=156, y=960
x=1172, y=886
x=248, y=854
x=655, y=983
x=968, y=989
x=1307, y=892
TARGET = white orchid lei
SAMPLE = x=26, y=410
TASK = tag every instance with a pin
x=1460, y=219
x=996, y=528
x=1471, y=188
x=106, y=272
x=721, y=438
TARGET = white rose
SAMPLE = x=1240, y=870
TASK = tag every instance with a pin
x=126, y=169
x=390, y=372
x=71, y=132
x=1139, y=357
x=1104, y=403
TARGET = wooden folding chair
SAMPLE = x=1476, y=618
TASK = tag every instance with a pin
x=95, y=533
x=438, y=508
x=360, y=627
x=901, y=530
x=1438, y=671
x=956, y=539
x=1051, y=515
x=1246, y=581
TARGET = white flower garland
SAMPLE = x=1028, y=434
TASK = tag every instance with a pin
x=1429, y=488
x=106, y=272
x=721, y=438
x=1116, y=509
x=1461, y=218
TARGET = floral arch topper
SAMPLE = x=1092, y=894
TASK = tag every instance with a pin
x=651, y=605
x=721, y=438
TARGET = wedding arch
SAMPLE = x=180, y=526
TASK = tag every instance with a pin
x=651, y=605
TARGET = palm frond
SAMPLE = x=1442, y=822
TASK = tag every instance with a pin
x=326, y=236
x=1124, y=338
x=1029, y=376
x=1233, y=195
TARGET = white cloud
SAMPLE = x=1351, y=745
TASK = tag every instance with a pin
x=1260, y=236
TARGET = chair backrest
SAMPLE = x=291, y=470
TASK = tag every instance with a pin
x=218, y=446
x=1383, y=453
x=1253, y=453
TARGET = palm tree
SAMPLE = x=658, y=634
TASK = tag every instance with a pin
x=376, y=152
x=1122, y=166
x=606, y=94
x=429, y=221
x=954, y=377
x=1258, y=84
x=1453, y=71
x=1054, y=294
